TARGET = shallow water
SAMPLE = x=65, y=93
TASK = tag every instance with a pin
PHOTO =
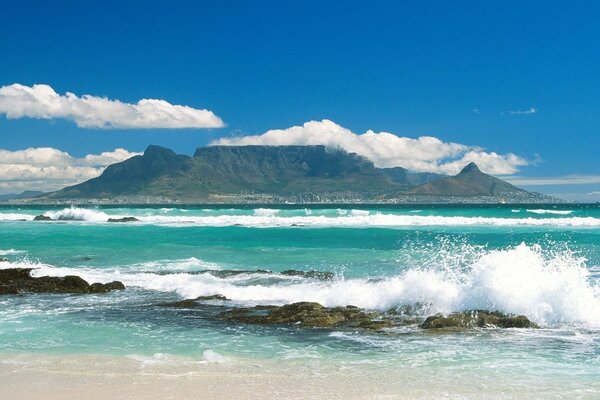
x=543, y=262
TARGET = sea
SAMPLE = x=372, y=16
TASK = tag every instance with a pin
x=542, y=261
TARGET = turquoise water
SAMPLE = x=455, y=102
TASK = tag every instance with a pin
x=543, y=262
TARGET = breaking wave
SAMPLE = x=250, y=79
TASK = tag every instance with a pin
x=10, y=252
x=267, y=218
x=78, y=214
x=556, y=212
x=552, y=288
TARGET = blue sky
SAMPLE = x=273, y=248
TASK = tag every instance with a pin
x=451, y=70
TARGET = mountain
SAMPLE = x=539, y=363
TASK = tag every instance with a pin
x=469, y=182
x=233, y=174
x=405, y=177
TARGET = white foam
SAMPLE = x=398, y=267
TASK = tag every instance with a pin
x=557, y=212
x=11, y=252
x=186, y=264
x=212, y=356
x=550, y=289
x=15, y=217
x=359, y=213
x=265, y=212
x=348, y=219
x=78, y=214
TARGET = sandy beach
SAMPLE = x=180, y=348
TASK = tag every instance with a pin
x=64, y=377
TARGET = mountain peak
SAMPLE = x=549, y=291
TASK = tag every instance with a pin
x=471, y=167
x=157, y=150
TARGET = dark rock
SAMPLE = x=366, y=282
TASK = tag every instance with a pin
x=308, y=314
x=106, y=287
x=290, y=272
x=191, y=303
x=477, y=319
x=42, y=218
x=19, y=280
x=309, y=274
x=124, y=219
x=4, y=259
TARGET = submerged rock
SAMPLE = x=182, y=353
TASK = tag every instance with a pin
x=308, y=314
x=19, y=280
x=191, y=303
x=124, y=219
x=477, y=319
x=323, y=275
x=42, y=218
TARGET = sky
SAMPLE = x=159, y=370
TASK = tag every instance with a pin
x=428, y=85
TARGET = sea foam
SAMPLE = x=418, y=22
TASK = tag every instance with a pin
x=269, y=218
x=552, y=288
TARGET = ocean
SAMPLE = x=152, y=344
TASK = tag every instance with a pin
x=536, y=260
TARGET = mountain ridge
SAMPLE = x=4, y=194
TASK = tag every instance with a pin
x=280, y=174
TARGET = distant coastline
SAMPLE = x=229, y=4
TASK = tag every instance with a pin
x=279, y=175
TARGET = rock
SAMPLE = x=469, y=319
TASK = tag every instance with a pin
x=308, y=314
x=19, y=280
x=191, y=303
x=42, y=218
x=290, y=272
x=4, y=259
x=310, y=274
x=124, y=219
x=477, y=319
x=106, y=287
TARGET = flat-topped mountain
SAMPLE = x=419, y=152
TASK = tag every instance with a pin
x=279, y=174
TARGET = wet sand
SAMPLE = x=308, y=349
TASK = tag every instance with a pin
x=65, y=377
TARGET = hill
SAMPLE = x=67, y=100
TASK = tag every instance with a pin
x=469, y=182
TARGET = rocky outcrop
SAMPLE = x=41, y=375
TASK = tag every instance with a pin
x=477, y=319
x=322, y=275
x=42, y=218
x=19, y=280
x=124, y=219
x=312, y=274
x=309, y=314
x=192, y=303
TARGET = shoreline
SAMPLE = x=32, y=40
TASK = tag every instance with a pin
x=75, y=376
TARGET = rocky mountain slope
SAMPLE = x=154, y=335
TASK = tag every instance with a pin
x=279, y=174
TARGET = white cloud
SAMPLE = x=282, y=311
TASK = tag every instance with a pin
x=46, y=168
x=530, y=111
x=41, y=101
x=557, y=180
x=424, y=154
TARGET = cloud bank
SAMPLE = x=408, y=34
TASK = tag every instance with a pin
x=46, y=168
x=41, y=101
x=423, y=154
x=556, y=180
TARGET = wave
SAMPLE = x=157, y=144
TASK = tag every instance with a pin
x=366, y=220
x=551, y=289
x=15, y=217
x=10, y=252
x=556, y=212
x=265, y=212
x=186, y=264
x=78, y=214
x=268, y=218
